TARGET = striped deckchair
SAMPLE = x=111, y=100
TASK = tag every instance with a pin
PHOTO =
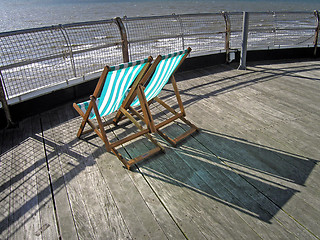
x=161, y=71
x=116, y=84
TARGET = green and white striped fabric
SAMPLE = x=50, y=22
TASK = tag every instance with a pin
x=161, y=75
x=117, y=84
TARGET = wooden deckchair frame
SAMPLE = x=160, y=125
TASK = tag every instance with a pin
x=145, y=106
x=99, y=128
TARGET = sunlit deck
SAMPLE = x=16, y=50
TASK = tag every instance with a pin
x=251, y=172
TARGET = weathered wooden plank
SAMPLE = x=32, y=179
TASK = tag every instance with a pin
x=276, y=122
x=301, y=111
x=295, y=108
x=306, y=70
x=141, y=221
x=72, y=170
x=272, y=97
x=257, y=114
x=106, y=223
x=185, y=223
x=30, y=208
x=188, y=201
x=65, y=218
x=5, y=176
x=252, y=172
x=211, y=170
x=17, y=195
x=164, y=219
x=269, y=211
x=48, y=228
x=206, y=107
x=292, y=93
x=185, y=210
x=262, y=81
x=19, y=184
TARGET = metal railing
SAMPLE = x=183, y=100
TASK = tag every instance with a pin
x=37, y=58
x=40, y=60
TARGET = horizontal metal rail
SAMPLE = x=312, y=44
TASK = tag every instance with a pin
x=62, y=55
x=133, y=19
x=54, y=27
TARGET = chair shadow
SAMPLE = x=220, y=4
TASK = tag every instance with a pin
x=248, y=177
x=257, y=180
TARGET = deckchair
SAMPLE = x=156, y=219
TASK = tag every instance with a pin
x=158, y=75
x=116, y=84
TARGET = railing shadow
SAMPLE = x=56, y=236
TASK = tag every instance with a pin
x=36, y=165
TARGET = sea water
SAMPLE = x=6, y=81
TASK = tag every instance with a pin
x=22, y=14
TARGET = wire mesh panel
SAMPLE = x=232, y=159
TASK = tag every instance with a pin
x=153, y=36
x=34, y=59
x=236, y=29
x=278, y=30
x=94, y=44
x=294, y=29
x=262, y=30
x=203, y=32
x=164, y=34
x=38, y=58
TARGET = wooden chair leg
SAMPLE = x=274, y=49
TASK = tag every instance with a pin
x=177, y=115
x=176, y=91
x=102, y=134
x=112, y=147
x=138, y=125
x=84, y=121
x=145, y=109
x=119, y=156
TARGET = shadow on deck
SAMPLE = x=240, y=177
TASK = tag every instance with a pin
x=252, y=170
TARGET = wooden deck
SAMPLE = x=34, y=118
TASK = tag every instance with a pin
x=252, y=172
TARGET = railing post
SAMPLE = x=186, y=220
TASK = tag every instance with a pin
x=316, y=35
x=69, y=45
x=181, y=29
x=4, y=103
x=124, y=39
x=245, y=30
x=227, y=35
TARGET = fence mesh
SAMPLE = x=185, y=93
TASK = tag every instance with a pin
x=276, y=30
x=204, y=33
x=153, y=36
x=236, y=30
x=34, y=60
x=94, y=45
x=161, y=35
x=294, y=29
x=38, y=58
